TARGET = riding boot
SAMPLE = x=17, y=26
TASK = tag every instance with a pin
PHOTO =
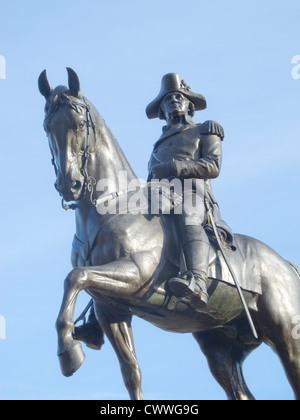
x=193, y=283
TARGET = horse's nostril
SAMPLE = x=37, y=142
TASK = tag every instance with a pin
x=76, y=185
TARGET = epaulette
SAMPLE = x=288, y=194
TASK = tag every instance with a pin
x=212, y=127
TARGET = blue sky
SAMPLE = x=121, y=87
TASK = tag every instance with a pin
x=239, y=56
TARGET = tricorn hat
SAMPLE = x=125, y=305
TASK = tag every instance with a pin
x=172, y=82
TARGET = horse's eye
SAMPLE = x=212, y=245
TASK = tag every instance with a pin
x=81, y=125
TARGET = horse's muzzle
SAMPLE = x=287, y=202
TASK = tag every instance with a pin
x=70, y=192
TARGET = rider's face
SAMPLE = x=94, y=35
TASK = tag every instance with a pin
x=175, y=104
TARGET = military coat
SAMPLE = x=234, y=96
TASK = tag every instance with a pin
x=193, y=151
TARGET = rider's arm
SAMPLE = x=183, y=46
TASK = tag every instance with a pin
x=209, y=164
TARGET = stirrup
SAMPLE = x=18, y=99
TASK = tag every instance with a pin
x=189, y=287
x=182, y=286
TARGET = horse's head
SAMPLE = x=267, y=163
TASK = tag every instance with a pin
x=70, y=129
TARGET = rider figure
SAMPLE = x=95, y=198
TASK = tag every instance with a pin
x=192, y=151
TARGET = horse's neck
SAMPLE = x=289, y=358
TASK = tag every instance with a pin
x=108, y=165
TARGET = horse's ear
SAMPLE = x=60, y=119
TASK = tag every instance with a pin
x=44, y=85
x=74, y=84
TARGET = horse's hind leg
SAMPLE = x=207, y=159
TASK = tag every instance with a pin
x=225, y=358
x=279, y=309
x=117, y=328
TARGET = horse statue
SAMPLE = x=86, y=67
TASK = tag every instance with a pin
x=123, y=261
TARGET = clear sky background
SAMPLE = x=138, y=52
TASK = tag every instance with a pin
x=236, y=53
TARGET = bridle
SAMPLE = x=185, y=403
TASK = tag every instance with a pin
x=89, y=181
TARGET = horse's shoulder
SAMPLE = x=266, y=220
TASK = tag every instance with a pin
x=132, y=232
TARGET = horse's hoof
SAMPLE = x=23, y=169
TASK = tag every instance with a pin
x=71, y=360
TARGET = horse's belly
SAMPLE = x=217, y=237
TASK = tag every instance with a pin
x=170, y=314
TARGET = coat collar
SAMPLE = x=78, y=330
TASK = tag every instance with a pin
x=169, y=131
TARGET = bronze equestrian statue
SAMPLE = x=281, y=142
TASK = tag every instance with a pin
x=125, y=261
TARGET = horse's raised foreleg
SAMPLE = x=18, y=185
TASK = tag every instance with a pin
x=225, y=358
x=117, y=279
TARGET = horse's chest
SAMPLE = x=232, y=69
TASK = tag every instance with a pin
x=102, y=254
x=97, y=250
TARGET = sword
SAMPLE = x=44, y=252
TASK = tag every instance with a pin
x=209, y=213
